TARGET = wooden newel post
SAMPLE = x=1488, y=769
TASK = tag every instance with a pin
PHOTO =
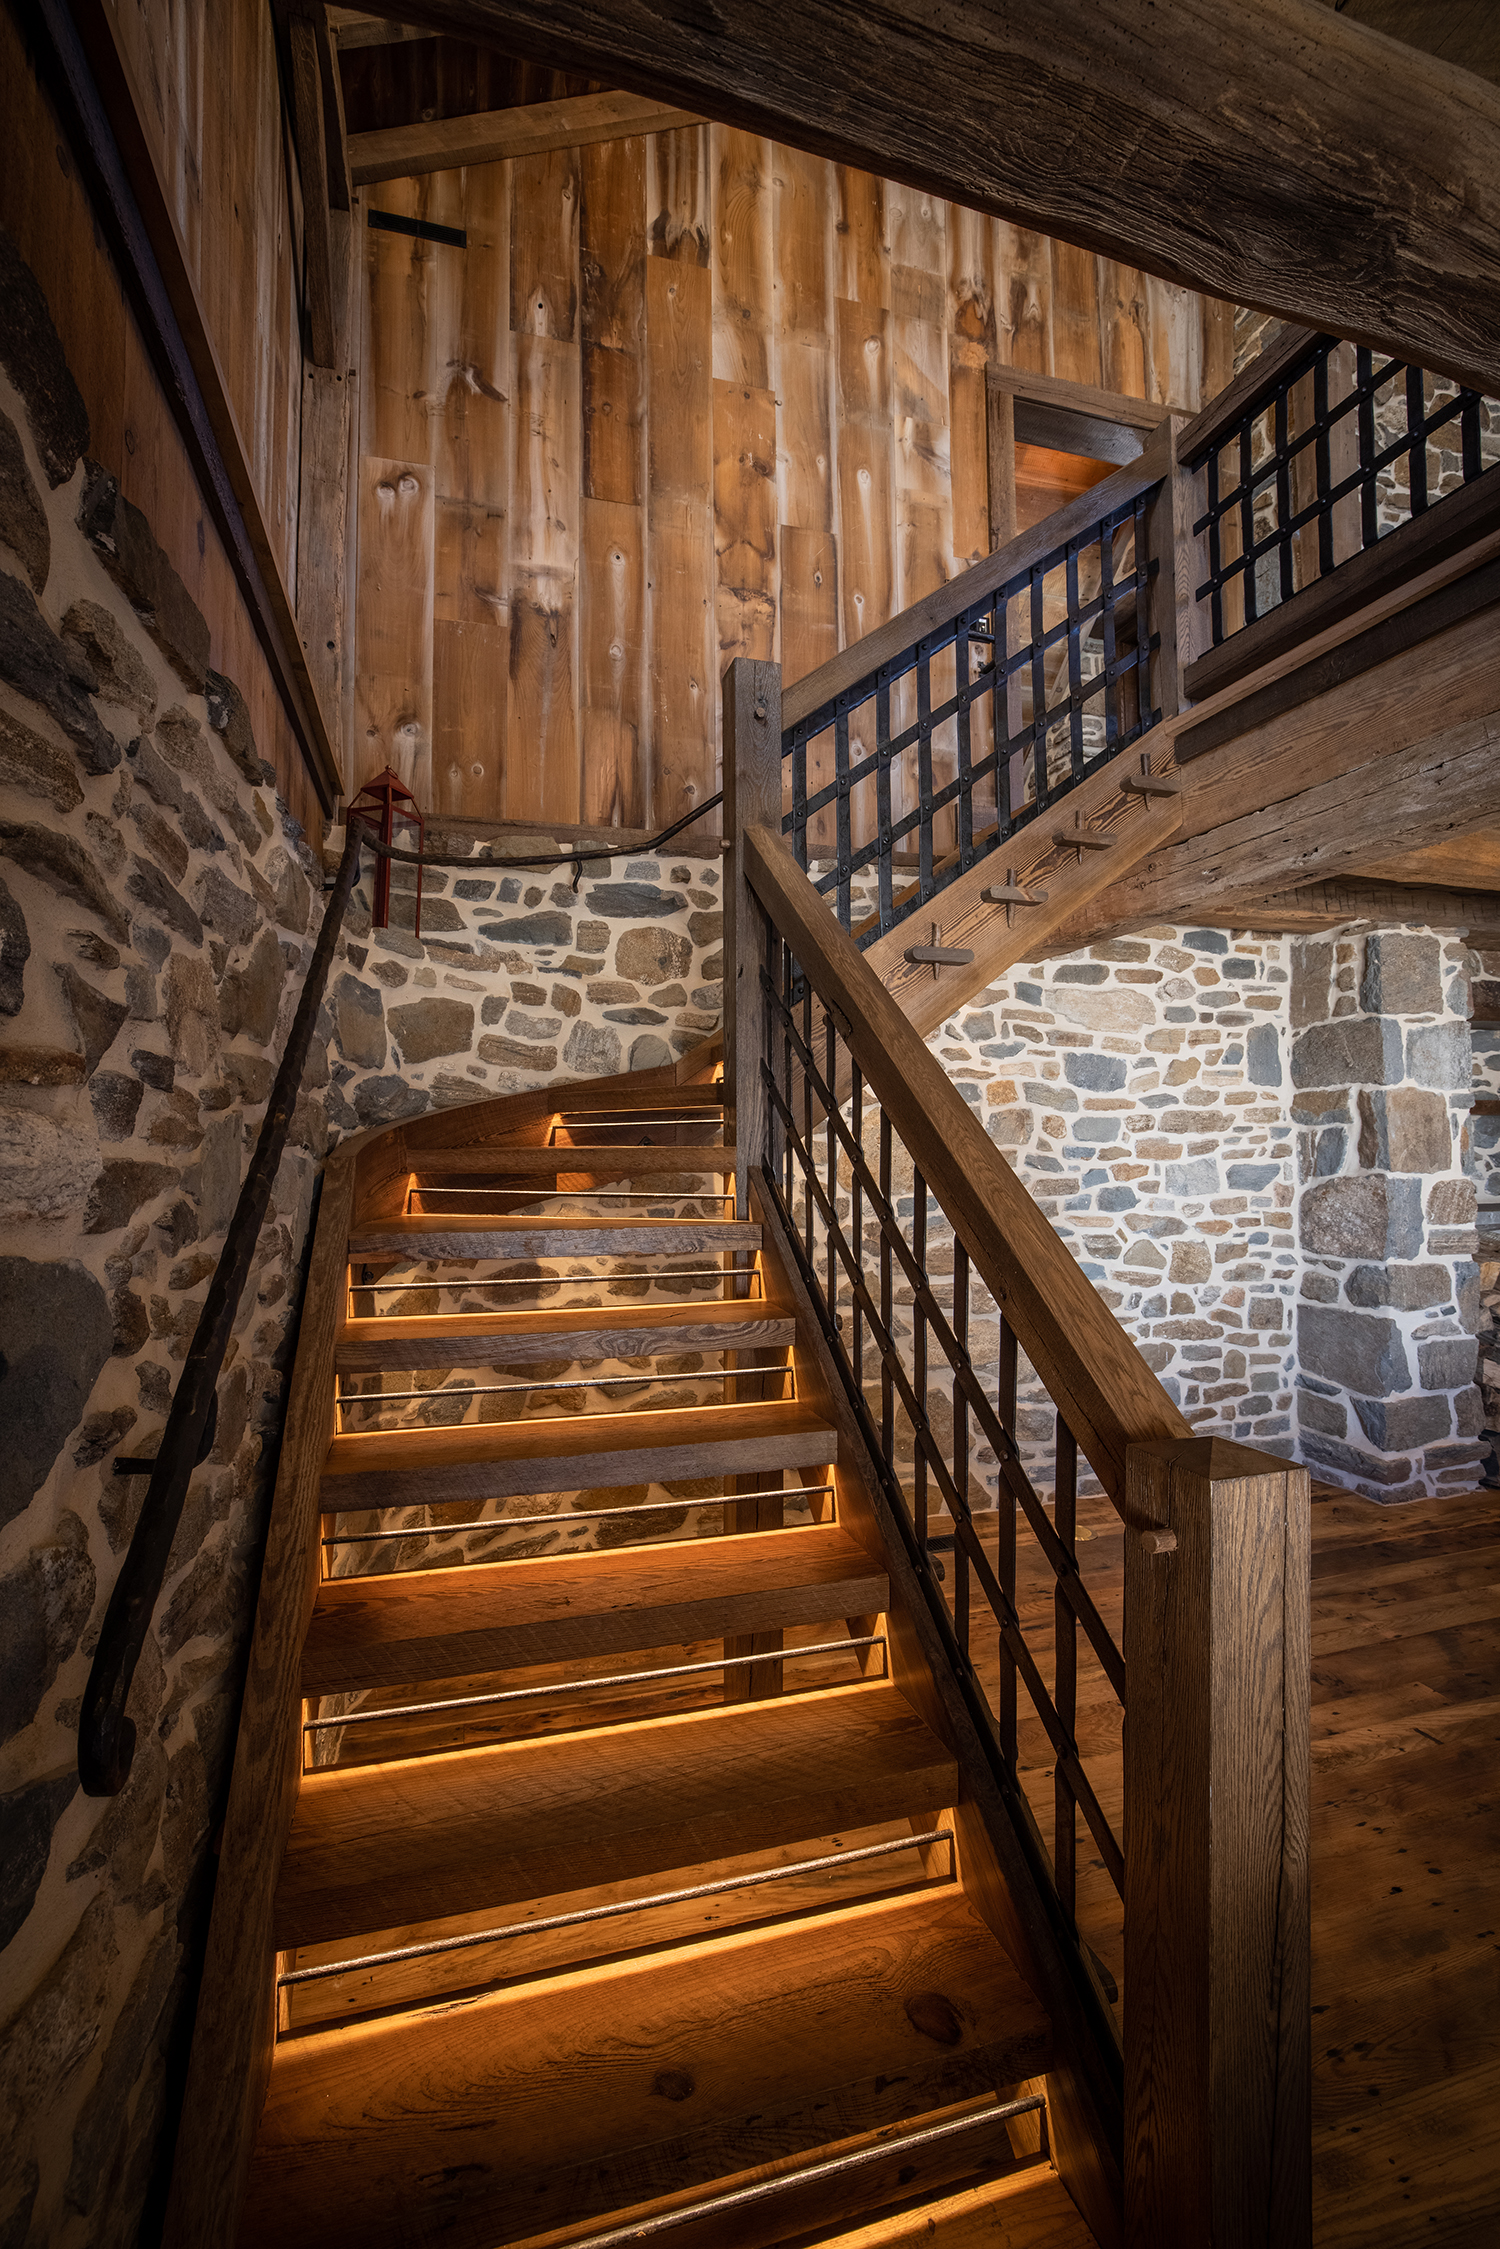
x=752, y=794
x=1181, y=560
x=1218, y=2125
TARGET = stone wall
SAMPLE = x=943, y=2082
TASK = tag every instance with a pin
x=158, y=907
x=1138, y=1090
x=1381, y=1086
x=1483, y=1167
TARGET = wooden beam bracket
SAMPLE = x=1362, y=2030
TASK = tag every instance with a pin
x=938, y=955
x=1078, y=839
x=1011, y=894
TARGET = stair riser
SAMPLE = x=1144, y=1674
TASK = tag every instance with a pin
x=487, y=1344
x=572, y=1640
x=655, y=1464
x=497, y=1869
x=511, y=1238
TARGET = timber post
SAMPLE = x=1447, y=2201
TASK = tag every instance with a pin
x=1173, y=605
x=1218, y=2148
x=752, y=796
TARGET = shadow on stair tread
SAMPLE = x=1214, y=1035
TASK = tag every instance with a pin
x=503, y=2108
x=490, y=1617
x=592, y=1331
x=373, y=1846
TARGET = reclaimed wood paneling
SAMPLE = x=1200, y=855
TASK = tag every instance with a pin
x=684, y=398
x=393, y=677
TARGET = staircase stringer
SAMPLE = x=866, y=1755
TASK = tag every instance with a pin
x=996, y=1834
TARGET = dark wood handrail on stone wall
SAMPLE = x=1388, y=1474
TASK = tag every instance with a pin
x=1211, y=2136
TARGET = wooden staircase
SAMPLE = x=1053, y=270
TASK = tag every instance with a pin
x=624, y=1896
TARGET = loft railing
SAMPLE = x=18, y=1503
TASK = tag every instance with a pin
x=930, y=744
x=985, y=1379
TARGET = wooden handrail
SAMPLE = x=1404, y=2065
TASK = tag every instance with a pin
x=1098, y=1380
x=863, y=658
x=1260, y=374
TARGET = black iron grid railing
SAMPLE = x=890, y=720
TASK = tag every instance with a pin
x=946, y=750
x=1341, y=447
x=901, y=1332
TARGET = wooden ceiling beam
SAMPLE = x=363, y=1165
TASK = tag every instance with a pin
x=1275, y=153
x=488, y=135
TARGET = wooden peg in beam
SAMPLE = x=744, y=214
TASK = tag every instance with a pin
x=1079, y=839
x=938, y=955
x=1149, y=784
x=1011, y=894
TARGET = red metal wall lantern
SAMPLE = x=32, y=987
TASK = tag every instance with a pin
x=382, y=794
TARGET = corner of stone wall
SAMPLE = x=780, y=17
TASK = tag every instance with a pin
x=1389, y=1295
x=1482, y=1166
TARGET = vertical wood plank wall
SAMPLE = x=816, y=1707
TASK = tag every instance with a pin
x=240, y=250
x=680, y=400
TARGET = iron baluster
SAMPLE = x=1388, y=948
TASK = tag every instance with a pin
x=1065, y=1664
x=919, y=1353
x=887, y=1399
x=843, y=846
x=857, y=1214
x=1416, y=431
x=1006, y=1544
x=961, y=1441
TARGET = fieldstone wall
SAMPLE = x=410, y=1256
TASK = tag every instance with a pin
x=158, y=908
x=1389, y=1297
x=1138, y=1090
x=1483, y=1167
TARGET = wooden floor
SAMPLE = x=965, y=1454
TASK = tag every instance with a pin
x=1405, y=1858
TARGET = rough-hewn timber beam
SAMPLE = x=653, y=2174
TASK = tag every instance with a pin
x=485, y=136
x=1273, y=153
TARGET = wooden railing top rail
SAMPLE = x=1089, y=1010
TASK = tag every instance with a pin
x=863, y=658
x=1098, y=1380
x=1259, y=377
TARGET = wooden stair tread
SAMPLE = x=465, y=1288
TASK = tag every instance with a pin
x=1031, y=2210
x=432, y=2124
x=576, y=1452
x=379, y=1846
x=648, y=1156
x=625, y=1331
x=439, y=1624
x=550, y=1237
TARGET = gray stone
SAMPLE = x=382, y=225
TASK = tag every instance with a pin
x=251, y=1076
x=1361, y=1049
x=157, y=778
x=634, y=1015
x=55, y=1335
x=23, y=519
x=1189, y=1180
x=1405, y=1424
x=123, y=540
x=151, y=889
x=1403, y=975
x=546, y=928
x=45, y=1169
x=158, y=1071
x=163, y=841
x=96, y=1017
x=593, y=1050
x=44, y=1606
x=1096, y=1073
x=230, y=720
x=379, y=1101
x=633, y=901
x=1263, y=1055
x=15, y=952
x=28, y=1821
x=1327, y=1452
x=524, y=1026
x=218, y=1174
x=250, y=997
x=1206, y=940
x=100, y=1434
x=1081, y=972
x=226, y=908
x=359, y=1020
x=177, y=1226
x=32, y=355
x=115, y=1097
x=1404, y=1130
x=45, y=669
x=1251, y=1178
x=1332, y=1147
x=1312, y=968
x=439, y=915
x=1410, y=1288
x=516, y=1054
x=1448, y=1364
x=123, y=1187
x=426, y=1028
x=652, y=955
x=1353, y=1349
x=1323, y=1414
x=29, y=762
x=1363, y=1217
x=293, y=897
x=649, y=1053
x=191, y=1006
x=131, y=1324
x=121, y=671
x=476, y=892
x=1439, y=1054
